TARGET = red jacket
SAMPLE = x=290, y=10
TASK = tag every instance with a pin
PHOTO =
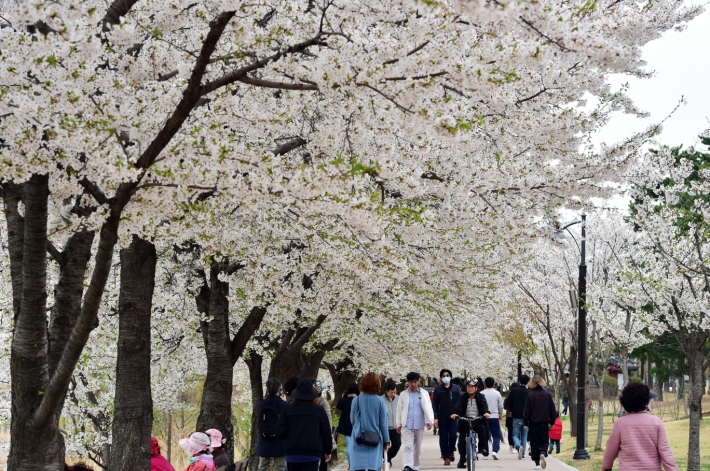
x=556, y=430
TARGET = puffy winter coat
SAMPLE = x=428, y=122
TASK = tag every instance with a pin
x=556, y=430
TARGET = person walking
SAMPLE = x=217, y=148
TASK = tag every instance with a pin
x=269, y=446
x=414, y=412
x=509, y=418
x=304, y=427
x=556, y=435
x=565, y=402
x=157, y=460
x=196, y=449
x=538, y=416
x=216, y=448
x=391, y=400
x=472, y=405
x=515, y=402
x=638, y=438
x=368, y=416
x=321, y=401
x=495, y=404
x=446, y=396
x=345, y=426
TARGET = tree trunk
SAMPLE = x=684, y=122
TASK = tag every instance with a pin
x=342, y=375
x=696, y=357
x=625, y=364
x=32, y=446
x=254, y=363
x=659, y=389
x=216, y=406
x=600, y=414
x=133, y=404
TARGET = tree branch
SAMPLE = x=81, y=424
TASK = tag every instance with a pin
x=237, y=75
x=361, y=84
x=556, y=43
x=287, y=147
x=245, y=332
x=190, y=96
x=280, y=85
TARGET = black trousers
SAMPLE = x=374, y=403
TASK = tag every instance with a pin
x=482, y=431
x=509, y=426
x=539, y=438
x=395, y=444
x=307, y=466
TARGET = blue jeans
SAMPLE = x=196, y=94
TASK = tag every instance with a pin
x=552, y=444
x=520, y=435
x=447, y=437
x=496, y=433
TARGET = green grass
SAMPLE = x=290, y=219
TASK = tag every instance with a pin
x=676, y=431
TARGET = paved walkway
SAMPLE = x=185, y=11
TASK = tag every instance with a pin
x=508, y=461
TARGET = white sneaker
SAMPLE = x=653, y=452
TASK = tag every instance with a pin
x=494, y=455
x=485, y=457
x=537, y=467
x=520, y=452
x=543, y=463
x=513, y=450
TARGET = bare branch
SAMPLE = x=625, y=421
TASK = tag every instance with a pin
x=361, y=84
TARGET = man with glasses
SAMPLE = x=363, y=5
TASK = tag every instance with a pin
x=446, y=395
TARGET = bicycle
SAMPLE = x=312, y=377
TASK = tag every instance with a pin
x=471, y=455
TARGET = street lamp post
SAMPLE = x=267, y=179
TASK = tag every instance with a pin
x=581, y=453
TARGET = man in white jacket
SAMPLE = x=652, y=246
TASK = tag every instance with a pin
x=414, y=412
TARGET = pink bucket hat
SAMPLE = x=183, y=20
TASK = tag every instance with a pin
x=216, y=440
x=197, y=442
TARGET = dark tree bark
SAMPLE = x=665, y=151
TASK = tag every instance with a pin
x=287, y=360
x=32, y=445
x=342, y=375
x=133, y=404
x=222, y=353
x=696, y=352
x=254, y=363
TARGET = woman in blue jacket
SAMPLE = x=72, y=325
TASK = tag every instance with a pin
x=368, y=413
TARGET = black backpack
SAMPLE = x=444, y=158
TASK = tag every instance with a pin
x=267, y=421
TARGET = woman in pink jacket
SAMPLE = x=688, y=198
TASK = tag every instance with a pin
x=638, y=438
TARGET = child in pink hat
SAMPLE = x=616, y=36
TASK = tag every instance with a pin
x=196, y=448
x=217, y=448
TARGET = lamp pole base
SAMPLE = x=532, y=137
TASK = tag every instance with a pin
x=581, y=455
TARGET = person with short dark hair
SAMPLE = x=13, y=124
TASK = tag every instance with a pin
x=446, y=395
x=368, y=414
x=345, y=426
x=515, y=402
x=538, y=416
x=391, y=400
x=414, y=412
x=305, y=428
x=269, y=446
x=495, y=404
x=638, y=438
x=289, y=386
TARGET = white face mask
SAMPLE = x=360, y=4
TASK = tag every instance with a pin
x=446, y=380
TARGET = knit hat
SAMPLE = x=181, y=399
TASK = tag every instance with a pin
x=154, y=447
x=197, y=442
x=536, y=381
x=216, y=440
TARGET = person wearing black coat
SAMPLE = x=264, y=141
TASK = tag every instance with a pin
x=515, y=402
x=472, y=404
x=274, y=447
x=305, y=427
x=345, y=426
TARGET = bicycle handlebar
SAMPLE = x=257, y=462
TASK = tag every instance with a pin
x=469, y=419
